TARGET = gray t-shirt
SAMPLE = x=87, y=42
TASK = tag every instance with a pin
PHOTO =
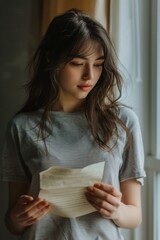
x=70, y=144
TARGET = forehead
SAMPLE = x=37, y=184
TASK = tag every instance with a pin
x=91, y=47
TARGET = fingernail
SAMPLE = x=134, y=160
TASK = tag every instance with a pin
x=90, y=188
x=97, y=185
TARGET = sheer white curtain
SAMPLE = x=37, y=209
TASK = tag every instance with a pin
x=130, y=29
x=126, y=33
x=153, y=163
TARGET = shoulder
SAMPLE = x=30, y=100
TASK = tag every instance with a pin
x=18, y=119
x=24, y=120
x=128, y=117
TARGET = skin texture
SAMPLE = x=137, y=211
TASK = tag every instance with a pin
x=76, y=79
x=23, y=210
x=123, y=207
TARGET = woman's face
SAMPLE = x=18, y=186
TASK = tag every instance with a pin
x=79, y=76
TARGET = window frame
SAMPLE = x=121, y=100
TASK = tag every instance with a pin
x=153, y=159
x=155, y=75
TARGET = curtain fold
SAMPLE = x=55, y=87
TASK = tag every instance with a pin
x=51, y=8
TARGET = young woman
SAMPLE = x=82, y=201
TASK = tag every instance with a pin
x=73, y=119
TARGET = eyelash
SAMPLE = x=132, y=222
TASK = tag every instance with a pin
x=81, y=64
x=99, y=65
x=76, y=64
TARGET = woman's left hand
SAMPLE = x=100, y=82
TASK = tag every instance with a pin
x=105, y=198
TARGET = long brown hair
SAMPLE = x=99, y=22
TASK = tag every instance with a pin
x=64, y=38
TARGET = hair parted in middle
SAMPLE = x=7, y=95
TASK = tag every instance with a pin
x=66, y=36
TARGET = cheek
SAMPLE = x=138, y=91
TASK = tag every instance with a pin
x=66, y=79
x=70, y=77
x=98, y=75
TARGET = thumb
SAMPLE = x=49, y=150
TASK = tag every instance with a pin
x=24, y=199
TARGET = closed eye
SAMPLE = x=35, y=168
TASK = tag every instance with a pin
x=99, y=64
x=76, y=63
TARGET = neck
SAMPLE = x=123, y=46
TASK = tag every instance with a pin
x=67, y=107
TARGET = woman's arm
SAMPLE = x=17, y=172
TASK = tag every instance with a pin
x=124, y=207
x=130, y=212
x=23, y=210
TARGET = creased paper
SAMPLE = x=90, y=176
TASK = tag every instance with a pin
x=64, y=188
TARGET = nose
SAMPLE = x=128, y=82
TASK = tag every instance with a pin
x=88, y=73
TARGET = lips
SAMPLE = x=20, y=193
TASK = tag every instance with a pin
x=85, y=87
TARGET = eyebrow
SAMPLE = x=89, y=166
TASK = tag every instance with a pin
x=85, y=58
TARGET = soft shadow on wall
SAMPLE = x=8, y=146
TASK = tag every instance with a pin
x=23, y=24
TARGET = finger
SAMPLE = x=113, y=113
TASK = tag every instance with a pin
x=103, y=196
x=38, y=208
x=98, y=189
x=104, y=212
x=100, y=203
x=24, y=199
x=106, y=187
x=25, y=208
x=28, y=219
x=106, y=209
x=104, y=200
x=37, y=216
x=109, y=188
x=35, y=209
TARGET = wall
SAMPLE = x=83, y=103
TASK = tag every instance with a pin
x=16, y=41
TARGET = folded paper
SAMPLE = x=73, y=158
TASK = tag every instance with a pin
x=64, y=188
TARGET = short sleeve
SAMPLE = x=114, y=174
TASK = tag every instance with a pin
x=12, y=165
x=133, y=156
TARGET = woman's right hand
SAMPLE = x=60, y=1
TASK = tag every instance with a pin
x=26, y=212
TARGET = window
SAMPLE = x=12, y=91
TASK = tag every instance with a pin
x=153, y=161
x=135, y=28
